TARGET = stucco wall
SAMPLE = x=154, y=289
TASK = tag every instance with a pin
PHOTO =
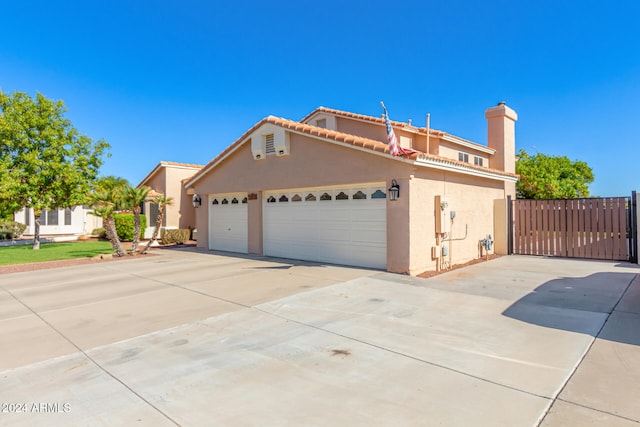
x=472, y=198
x=363, y=129
x=158, y=184
x=312, y=163
x=168, y=180
x=410, y=219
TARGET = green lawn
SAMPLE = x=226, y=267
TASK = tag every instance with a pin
x=52, y=252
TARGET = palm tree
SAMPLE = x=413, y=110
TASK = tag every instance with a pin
x=103, y=205
x=134, y=197
x=162, y=201
x=106, y=199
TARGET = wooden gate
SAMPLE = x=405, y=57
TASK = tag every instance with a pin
x=599, y=228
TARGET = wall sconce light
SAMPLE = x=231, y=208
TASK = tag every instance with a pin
x=394, y=190
x=197, y=201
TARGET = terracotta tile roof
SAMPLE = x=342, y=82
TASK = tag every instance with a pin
x=401, y=125
x=372, y=119
x=341, y=137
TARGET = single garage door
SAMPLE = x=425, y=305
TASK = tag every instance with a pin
x=335, y=225
x=228, y=228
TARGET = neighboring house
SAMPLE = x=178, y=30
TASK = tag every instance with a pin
x=73, y=221
x=167, y=178
x=319, y=189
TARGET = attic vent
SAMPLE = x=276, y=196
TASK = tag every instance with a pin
x=269, y=144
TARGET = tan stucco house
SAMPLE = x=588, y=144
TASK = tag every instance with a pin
x=318, y=189
x=168, y=178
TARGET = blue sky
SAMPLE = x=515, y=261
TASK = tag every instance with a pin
x=179, y=81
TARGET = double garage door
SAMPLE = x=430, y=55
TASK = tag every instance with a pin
x=335, y=225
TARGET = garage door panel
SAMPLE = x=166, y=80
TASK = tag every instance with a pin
x=228, y=223
x=351, y=231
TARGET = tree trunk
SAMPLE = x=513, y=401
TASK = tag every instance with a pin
x=36, y=236
x=112, y=235
x=136, y=230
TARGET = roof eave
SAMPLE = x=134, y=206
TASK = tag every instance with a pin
x=444, y=164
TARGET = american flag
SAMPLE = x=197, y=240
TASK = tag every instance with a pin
x=392, y=141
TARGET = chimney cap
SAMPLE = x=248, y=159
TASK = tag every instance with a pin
x=501, y=103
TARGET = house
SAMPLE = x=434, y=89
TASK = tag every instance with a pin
x=327, y=189
x=167, y=178
x=71, y=222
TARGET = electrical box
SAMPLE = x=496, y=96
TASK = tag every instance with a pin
x=443, y=215
x=435, y=252
x=445, y=250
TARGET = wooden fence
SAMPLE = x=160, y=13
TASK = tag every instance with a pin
x=577, y=228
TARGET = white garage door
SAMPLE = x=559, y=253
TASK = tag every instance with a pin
x=337, y=225
x=228, y=227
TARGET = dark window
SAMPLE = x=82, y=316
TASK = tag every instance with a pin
x=67, y=216
x=477, y=161
x=215, y=202
x=27, y=216
x=153, y=214
x=234, y=201
x=43, y=218
x=225, y=202
x=310, y=198
x=271, y=199
x=378, y=194
x=52, y=217
x=296, y=198
x=325, y=196
x=283, y=198
x=463, y=157
x=244, y=200
x=358, y=195
x=342, y=196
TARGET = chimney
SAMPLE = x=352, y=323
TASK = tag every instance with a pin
x=501, y=136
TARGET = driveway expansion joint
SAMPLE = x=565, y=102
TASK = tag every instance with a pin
x=92, y=360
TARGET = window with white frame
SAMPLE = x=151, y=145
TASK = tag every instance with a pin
x=478, y=161
x=463, y=157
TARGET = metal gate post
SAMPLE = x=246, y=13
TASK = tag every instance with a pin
x=633, y=232
x=510, y=226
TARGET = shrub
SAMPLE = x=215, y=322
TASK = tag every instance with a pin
x=178, y=236
x=124, y=226
x=11, y=229
x=100, y=232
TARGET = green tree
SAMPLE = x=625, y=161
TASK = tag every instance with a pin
x=551, y=177
x=134, y=197
x=45, y=163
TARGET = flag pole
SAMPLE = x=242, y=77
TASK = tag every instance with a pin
x=428, y=126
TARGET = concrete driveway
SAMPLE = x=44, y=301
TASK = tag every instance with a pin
x=199, y=338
